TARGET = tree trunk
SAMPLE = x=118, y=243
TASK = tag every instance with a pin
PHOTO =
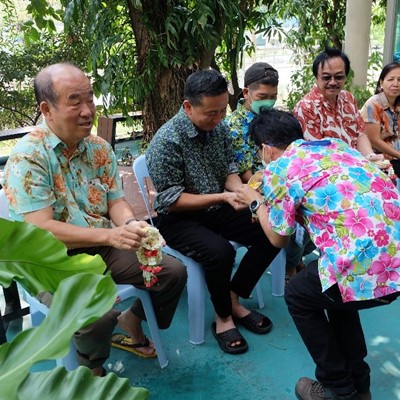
x=165, y=98
x=164, y=101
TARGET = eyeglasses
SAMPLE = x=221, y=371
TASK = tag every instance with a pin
x=336, y=78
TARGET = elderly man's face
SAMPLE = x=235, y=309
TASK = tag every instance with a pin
x=331, y=78
x=71, y=119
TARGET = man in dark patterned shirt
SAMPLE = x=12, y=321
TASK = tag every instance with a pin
x=191, y=163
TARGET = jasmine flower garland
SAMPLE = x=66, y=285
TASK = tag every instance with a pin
x=150, y=256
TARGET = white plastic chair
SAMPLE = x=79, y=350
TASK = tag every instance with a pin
x=39, y=311
x=196, y=286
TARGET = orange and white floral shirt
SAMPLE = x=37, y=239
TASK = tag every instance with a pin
x=39, y=174
x=320, y=120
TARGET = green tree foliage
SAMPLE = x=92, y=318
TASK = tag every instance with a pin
x=317, y=23
x=142, y=51
x=25, y=50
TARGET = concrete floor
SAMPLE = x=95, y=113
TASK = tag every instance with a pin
x=271, y=367
x=269, y=370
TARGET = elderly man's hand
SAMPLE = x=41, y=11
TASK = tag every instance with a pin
x=128, y=237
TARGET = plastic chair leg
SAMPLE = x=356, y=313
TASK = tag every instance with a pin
x=70, y=361
x=260, y=296
x=277, y=269
x=36, y=316
x=196, y=289
x=38, y=313
x=153, y=326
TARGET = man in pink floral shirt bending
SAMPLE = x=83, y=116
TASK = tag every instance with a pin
x=352, y=212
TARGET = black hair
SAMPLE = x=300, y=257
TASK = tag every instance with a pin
x=385, y=70
x=330, y=52
x=204, y=83
x=275, y=128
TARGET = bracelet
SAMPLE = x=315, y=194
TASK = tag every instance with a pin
x=130, y=220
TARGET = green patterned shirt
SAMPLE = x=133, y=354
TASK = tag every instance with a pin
x=180, y=158
x=39, y=174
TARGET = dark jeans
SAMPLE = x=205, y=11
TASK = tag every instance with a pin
x=205, y=235
x=296, y=252
x=331, y=331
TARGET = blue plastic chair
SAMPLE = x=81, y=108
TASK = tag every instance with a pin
x=196, y=285
x=39, y=310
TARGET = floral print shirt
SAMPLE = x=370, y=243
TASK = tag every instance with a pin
x=246, y=156
x=350, y=208
x=377, y=111
x=39, y=174
x=180, y=158
x=320, y=120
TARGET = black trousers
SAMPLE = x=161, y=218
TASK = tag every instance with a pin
x=331, y=331
x=205, y=235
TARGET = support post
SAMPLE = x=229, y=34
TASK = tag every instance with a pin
x=357, y=32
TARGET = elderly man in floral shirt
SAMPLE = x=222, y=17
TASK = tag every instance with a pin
x=352, y=212
x=63, y=179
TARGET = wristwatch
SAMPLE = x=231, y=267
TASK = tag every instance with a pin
x=254, y=206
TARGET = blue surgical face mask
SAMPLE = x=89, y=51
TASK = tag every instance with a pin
x=257, y=105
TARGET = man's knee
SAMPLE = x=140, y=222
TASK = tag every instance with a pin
x=176, y=270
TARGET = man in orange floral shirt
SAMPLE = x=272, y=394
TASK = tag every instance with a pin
x=330, y=111
x=63, y=179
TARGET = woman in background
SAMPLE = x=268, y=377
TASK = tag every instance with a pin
x=381, y=115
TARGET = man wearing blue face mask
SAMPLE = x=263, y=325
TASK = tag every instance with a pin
x=260, y=90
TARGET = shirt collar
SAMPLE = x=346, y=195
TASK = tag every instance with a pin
x=383, y=100
x=243, y=110
x=55, y=141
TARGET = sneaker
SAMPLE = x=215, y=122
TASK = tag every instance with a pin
x=308, y=389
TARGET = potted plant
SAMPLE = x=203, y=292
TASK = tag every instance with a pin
x=38, y=261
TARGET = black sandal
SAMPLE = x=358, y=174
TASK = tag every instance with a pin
x=225, y=340
x=252, y=322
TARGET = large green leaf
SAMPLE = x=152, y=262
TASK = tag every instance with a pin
x=36, y=259
x=78, y=385
x=79, y=300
